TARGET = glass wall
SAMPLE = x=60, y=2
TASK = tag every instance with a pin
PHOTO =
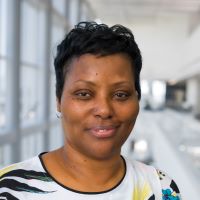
x=28, y=123
x=32, y=61
x=3, y=61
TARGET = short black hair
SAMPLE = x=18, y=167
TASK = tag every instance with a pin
x=96, y=39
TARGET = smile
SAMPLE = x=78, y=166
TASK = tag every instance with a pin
x=103, y=132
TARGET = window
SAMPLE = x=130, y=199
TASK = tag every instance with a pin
x=2, y=93
x=32, y=62
x=29, y=98
x=56, y=137
x=5, y=155
x=60, y=6
x=3, y=62
x=32, y=145
x=3, y=14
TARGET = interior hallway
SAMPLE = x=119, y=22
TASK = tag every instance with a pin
x=173, y=140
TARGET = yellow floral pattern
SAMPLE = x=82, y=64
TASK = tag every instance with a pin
x=142, y=193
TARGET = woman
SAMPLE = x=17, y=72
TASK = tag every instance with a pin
x=98, y=91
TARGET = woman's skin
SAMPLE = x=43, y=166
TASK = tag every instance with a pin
x=99, y=106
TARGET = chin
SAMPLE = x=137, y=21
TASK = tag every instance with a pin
x=104, y=153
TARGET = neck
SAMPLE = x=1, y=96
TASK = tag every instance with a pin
x=105, y=173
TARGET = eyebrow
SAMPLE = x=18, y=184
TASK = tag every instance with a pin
x=114, y=84
x=121, y=83
x=85, y=81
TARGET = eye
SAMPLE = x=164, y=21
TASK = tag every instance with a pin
x=83, y=94
x=121, y=96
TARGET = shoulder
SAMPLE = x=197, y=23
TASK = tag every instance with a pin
x=24, y=165
x=22, y=177
x=28, y=169
x=170, y=190
x=12, y=174
x=159, y=181
x=142, y=169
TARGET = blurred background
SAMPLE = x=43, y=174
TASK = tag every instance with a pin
x=167, y=132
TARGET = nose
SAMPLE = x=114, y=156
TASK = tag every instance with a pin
x=103, y=108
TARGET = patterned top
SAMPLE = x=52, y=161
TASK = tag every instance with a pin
x=30, y=180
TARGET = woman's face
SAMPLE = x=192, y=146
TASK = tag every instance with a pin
x=99, y=105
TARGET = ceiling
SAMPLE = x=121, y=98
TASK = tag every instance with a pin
x=162, y=24
x=123, y=10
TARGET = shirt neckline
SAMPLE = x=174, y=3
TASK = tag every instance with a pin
x=81, y=192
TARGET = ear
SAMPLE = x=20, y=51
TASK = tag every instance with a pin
x=58, y=105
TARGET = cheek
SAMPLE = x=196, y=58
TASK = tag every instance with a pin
x=73, y=113
x=70, y=121
x=129, y=112
x=69, y=107
x=129, y=117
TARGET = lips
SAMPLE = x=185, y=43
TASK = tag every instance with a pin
x=103, y=131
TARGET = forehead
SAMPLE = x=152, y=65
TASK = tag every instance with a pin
x=112, y=66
